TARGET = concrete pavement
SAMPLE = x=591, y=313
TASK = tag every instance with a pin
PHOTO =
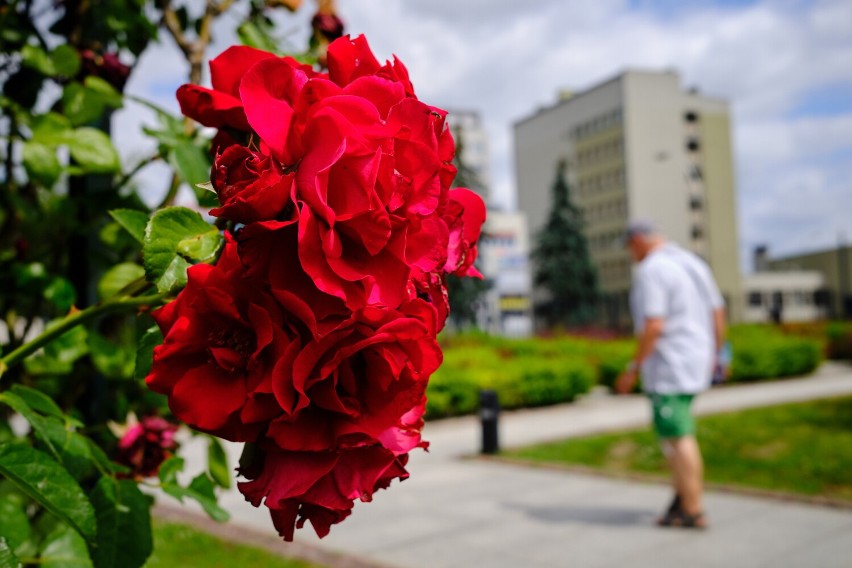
x=456, y=512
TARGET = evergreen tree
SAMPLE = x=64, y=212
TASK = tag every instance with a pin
x=563, y=265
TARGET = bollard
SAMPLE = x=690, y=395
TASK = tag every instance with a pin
x=489, y=412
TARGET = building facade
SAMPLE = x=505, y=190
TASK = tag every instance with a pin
x=784, y=296
x=835, y=266
x=638, y=147
x=504, y=245
x=472, y=148
x=504, y=260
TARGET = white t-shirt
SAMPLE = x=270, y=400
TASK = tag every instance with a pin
x=673, y=284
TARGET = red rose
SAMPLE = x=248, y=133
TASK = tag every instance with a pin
x=361, y=384
x=269, y=252
x=147, y=444
x=251, y=186
x=330, y=26
x=432, y=288
x=350, y=58
x=464, y=215
x=221, y=107
x=368, y=182
x=227, y=341
x=319, y=486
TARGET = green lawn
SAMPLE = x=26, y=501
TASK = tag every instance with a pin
x=803, y=448
x=181, y=545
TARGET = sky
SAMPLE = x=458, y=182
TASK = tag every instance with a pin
x=785, y=66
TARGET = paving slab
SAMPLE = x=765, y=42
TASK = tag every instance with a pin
x=458, y=512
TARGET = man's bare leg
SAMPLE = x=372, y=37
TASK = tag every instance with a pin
x=684, y=458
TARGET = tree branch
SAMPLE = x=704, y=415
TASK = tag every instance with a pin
x=123, y=180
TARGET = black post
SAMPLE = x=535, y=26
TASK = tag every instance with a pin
x=489, y=412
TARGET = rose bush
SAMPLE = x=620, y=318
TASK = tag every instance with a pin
x=314, y=336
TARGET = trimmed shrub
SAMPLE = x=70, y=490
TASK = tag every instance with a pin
x=763, y=352
x=839, y=340
x=524, y=373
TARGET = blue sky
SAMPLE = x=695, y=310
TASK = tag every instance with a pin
x=785, y=66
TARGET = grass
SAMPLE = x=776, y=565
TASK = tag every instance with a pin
x=182, y=545
x=803, y=448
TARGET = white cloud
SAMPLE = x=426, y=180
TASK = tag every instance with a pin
x=507, y=58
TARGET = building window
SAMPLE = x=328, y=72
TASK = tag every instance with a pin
x=690, y=116
x=755, y=299
x=695, y=173
x=696, y=203
x=697, y=232
x=692, y=145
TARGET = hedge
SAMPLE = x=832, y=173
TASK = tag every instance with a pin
x=537, y=372
x=763, y=352
x=524, y=373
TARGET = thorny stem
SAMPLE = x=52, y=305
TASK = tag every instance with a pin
x=77, y=318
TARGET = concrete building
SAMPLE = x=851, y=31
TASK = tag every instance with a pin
x=835, y=266
x=784, y=296
x=504, y=244
x=638, y=146
x=504, y=260
x=472, y=148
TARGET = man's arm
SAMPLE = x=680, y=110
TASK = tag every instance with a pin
x=647, y=340
x=719, y=327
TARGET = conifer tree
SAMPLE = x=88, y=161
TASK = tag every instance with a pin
x=563, y=265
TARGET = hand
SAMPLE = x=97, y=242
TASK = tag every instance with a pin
x=626, y=381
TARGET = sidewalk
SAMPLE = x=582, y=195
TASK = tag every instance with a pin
x=454, y=512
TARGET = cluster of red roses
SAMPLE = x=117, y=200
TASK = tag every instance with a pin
x=315, y=333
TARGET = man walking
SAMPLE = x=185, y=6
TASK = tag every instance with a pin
x=679, y=318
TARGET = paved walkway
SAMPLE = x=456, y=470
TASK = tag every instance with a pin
x=456, y=512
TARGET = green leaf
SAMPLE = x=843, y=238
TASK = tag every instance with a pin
x=174, y=238
x=169, y=469
x=110, y=359
x=61, y=353
x=7, y=557
x=63, y=548
x=38, y=423
x=201, y=248
x=51, y=128
x=74, y=450
x=81, y=105
x=108, y=95
x=145, y=352
x=201, y=488
x=60, y=292
x=217, y=463
x=38, y=59
x=118, y=277
x=67, y=446
x=93, y=150
x=192, y=164
x=124, y=524
x=14, y=523
x=258, y=36
x=133, y=221
x=65, y=60
x=39, y=476
x=37, y=400
x=41, y=163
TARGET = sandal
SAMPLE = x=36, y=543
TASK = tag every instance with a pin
x=679, y=518
x=673, y=508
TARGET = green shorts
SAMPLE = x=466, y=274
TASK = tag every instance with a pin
x=672, y=415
